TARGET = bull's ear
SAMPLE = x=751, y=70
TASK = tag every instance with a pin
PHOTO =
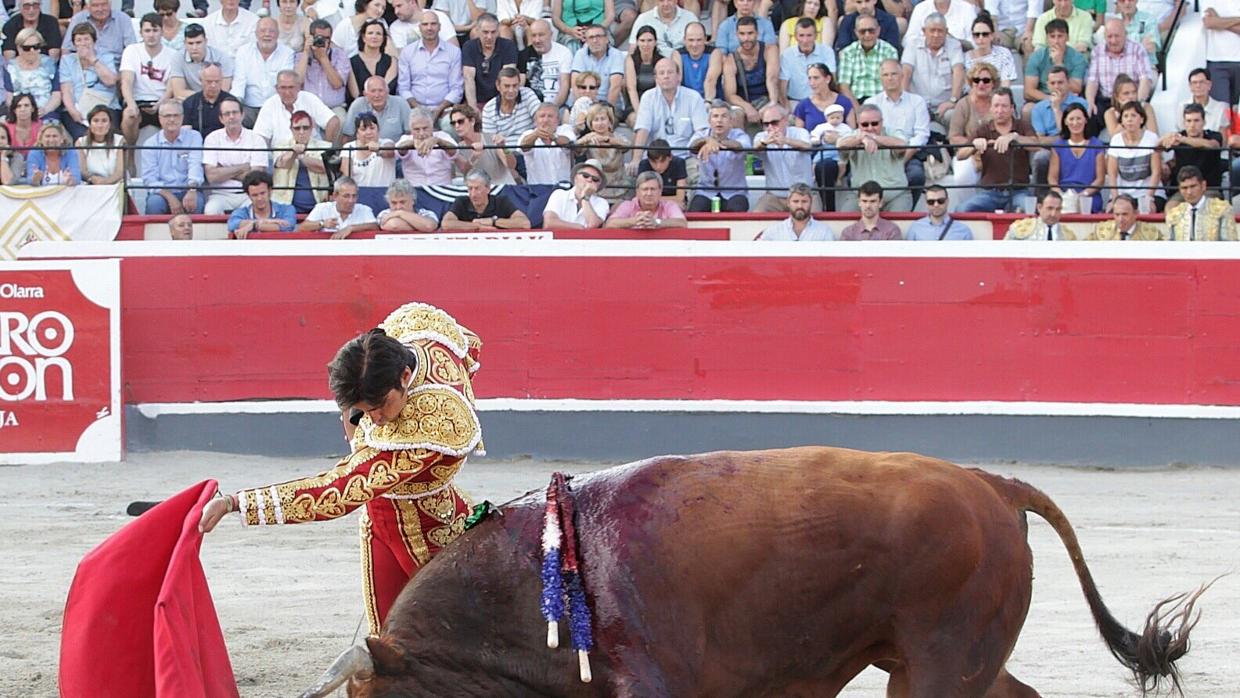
x=389, y=657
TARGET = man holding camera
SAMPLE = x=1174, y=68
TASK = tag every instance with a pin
x=324, y=70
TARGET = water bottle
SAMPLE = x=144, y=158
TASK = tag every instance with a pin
x=716, y=204
x=749, y=160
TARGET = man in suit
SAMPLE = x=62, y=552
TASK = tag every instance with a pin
x=1199, y=217
x=1044, y=226
x=1124, y=225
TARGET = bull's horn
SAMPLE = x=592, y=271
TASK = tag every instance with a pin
x=352, y=662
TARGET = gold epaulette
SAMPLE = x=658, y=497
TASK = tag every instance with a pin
x=436, y=418
x=1021, y=229
x=413, y=321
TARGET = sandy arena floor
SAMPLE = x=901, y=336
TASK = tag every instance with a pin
x=1146, y=534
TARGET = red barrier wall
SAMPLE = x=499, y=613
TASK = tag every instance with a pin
x=625, y=326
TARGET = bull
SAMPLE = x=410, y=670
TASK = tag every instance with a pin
x=772, y=573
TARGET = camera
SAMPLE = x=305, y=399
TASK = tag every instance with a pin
x=320, y=42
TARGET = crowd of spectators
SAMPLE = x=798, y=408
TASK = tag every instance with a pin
x=644, y=109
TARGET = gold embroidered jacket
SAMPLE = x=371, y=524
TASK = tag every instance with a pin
x=1216, y=222
x=414, y=455
x=1034, y=229
x=1109, y=230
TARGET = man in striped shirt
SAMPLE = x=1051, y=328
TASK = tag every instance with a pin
x=511, y=112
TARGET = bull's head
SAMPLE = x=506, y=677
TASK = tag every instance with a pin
x=358, y=664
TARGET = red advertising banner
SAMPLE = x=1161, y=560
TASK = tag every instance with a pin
x=60, y=361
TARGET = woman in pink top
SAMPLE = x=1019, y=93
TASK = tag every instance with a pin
x=23, y=123
x=649, y=209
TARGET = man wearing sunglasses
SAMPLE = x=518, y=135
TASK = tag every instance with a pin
x=934, y=68
x=888, y=26
x=30, y=16
x=860, y=62
x=786, y=158
x=113, y=28
x=579, y=206
x=938, y=225
x=874, y=155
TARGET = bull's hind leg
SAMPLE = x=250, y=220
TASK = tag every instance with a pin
x=947, y=668
x=1008, y=686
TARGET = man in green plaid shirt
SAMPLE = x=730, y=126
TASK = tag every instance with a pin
x=860, y=61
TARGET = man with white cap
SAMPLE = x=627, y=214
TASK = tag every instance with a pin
x=579, y=206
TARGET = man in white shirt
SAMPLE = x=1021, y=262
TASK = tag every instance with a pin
x=407, y=27
x=1221, y=19
x=907, y=116
x=581, y=206
x=800, y=225
x=341, y=217
x=187, y=71
x=669, y=21
x=230, y=27
x=785, y=154
x=223, y=169
x=670, y=111
x=145, y=71
x=273, y=119
x=258, y=64
x=545, y=64
x=547, y=165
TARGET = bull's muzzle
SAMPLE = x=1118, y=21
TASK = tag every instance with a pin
x=353, y=662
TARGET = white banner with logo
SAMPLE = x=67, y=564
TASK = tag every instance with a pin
x=60, y=361
x=85, y=212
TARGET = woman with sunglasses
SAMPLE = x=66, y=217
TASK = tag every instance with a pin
x=585, y=95
x=1078, y=161
x=172, y=30
x=298, y=171
x=372, y=59
x=34, y=73
x=599, y=141
x=825, y=14
x=498, y=163
x=968, y=115
x=811, y=111
x=984, y=51
x=30, y=15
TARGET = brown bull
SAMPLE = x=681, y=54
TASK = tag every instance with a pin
x=773, y=573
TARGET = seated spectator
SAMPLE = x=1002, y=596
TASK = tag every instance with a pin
x=604, y=60
x=888, y=26
x=934, y=69
x=369, y=160
x=727, y=38
x=146, y=69
x=406, y=29
x=1056, y=52
x=346, y=32
x=812, y=111
x=985, y=51
x=1080, y=25
x=1118, y=56
x=292, y=23
x=1044, y=226
x=1011, y=21
x=1124, y=225
x=259, y=66
x=87, y=80
x=373, y=59
x=1218, y=115
x=546, y=147
x=1134, y=166
x=430, y=73
x=100, y=156
x=425, y=154
x=874, y=155
x=34, y=73
x=573, y=20
x=1078, y=162
x=938, y=223
x=598, y=140
x=260, y=214
x=324, y=69
x=463, y=15
x=1194, y=146
x=800, y=226
x=907, y=116
x=721, y=177
x=171, y=29
x=669, y=22
x=958, y=16
x=231, y=27
x=648, y=210
x=823, y=15
x=172, y=164
x=30, y=16
x=186, y=76
x=479, y=210
x=671, y=168
x=56, y=162
x=511, y=112
x=202, y=109
x=113, y=28
x=700, y=65
x=342, y=216
x=483, y=58
x=671, y=112
x=751, y=72
x=860, y=62
x=400, y=216
x=1199, y=217
x=499, y=162
x=585, y=87
x=239, y=152
x=298, y=170
x=871, y=226
x=546, y=65
x=997, y=154
x=1140, y=26
x=12, y=164
x=22, y=122
x=273, y=119
x=785, y=154
x=797, y=60
x=1125, y=91
x=579, y=206
x=515, y=18
x=639, y=66
x=181, y=227
x=391, y=113
x=827, y=166
x=1047, y=114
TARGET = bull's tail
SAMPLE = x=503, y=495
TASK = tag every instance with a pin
x=1150, y=655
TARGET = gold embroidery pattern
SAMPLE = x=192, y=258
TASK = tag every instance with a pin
x=440, y=506
x=420, y=371
x=436, y=417
x=251, y=507
x=411, y=530
x=368, y=582
x=424, y=320
x=444, y=367
x=269, y=508
x=440, y=475
x=443, y=535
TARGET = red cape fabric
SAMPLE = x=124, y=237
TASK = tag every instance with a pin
x=139, y=622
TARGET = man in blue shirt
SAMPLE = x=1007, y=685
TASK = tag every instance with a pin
x=172, y=164
x=938, y=225
x=1047, y=116
x=603, y=59
x=725, y=38
x=794, y=61
x=261, y=215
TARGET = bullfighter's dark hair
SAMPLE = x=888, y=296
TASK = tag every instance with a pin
x=367, y=367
